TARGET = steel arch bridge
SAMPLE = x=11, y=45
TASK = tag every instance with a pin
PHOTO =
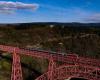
x=73, y=65
x=72, y=71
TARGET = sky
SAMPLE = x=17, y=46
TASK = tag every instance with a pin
x=22, y=11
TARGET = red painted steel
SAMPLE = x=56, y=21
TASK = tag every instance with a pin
x=65, y=72
x=56, y=57
x=51, y=68
x=74, y=65
x=16, y=67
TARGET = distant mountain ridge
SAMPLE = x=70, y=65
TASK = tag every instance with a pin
x=73, y=24
x=52, y=23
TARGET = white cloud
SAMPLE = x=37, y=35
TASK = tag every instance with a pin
x=9, y=6
x=93, y=17
x=86, y=15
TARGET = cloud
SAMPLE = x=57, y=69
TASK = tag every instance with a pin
x=9, y=6
x=93, y=17
x=86, y=15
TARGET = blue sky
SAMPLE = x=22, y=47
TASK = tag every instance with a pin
x=19, y=11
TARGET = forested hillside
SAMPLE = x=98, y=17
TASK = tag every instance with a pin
x=83, y=39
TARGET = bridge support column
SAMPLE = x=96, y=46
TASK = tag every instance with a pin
x=16, y=67
x=51, y=68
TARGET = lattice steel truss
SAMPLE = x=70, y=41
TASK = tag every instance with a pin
x=74, y=65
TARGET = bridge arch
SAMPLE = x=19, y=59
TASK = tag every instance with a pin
x=77, y=71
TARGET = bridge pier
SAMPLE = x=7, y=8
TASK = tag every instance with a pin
x=16, y=67
x=51, y=68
